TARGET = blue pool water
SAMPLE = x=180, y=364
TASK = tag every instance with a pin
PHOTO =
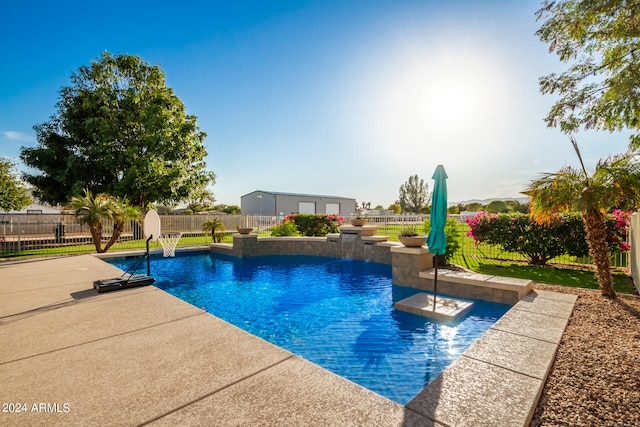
x=337, y=313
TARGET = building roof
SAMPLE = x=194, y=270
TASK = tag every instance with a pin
x=280, y=193
x=35, y=207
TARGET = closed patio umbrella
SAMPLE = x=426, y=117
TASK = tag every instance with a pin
x=437, y=239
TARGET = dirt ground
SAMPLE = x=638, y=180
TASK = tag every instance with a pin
x=595, y=379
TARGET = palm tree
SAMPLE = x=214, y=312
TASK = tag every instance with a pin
x=615, y=182
x=213, y=225
x=92, y=211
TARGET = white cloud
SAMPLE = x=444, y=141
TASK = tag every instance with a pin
x=18, y=136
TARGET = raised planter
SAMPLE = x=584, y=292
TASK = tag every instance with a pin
x=358, y=222
x=413, y=241
x=245, y=230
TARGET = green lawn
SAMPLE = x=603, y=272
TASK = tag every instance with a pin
x=551, y=275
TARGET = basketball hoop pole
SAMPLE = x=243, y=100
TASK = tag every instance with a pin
x=148, y=263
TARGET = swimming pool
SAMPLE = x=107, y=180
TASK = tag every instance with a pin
x=337, y=313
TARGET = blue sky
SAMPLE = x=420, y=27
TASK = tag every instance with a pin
x=345, y=98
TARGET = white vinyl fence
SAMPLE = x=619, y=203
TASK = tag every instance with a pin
x=634, y=238
x=60, y=234
x=55, y=234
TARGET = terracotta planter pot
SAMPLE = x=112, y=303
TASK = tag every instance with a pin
x=413, y=241
x=358, y=222
x=245, y=230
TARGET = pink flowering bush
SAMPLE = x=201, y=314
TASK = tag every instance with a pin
x=515, y=232
x=480, y=228
x=618, y=226
x=575, y=236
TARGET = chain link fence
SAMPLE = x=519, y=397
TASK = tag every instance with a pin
x=471, y=253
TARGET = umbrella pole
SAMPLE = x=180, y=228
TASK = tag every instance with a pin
x=435, y=283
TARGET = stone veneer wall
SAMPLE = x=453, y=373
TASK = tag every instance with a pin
x=463, y=290
x=362, y=243
x=352, y=242
x=249, y=245
x=407, y=263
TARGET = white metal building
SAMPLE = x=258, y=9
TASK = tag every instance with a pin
x=276, y=203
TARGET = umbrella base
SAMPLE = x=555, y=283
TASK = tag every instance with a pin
x=446, y=309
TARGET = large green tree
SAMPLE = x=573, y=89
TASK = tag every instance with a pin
x=474, y=207
x=600, y=41
x=413, y=194
x=13, y=193
x=497, y=206
x=614, y=182
x=119, y=130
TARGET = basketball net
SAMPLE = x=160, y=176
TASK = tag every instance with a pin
x=169, y=243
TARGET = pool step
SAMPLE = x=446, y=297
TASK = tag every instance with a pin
x=520, y=287
x=447, y=309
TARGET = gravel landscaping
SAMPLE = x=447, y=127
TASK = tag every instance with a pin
x=595, y=379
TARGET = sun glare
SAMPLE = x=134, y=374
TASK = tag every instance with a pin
x=447, y=93
x=448, y=98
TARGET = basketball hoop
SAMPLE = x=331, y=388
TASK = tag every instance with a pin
x=169, y=243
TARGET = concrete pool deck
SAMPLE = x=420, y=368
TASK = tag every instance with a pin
x=71, y=356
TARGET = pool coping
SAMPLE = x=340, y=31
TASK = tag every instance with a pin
x=63, y=343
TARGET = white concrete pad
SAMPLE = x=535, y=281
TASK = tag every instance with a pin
x=466, y=277
x=517, y=353
x=474, y=393
x=448, y=309
x=562, y=309
x=534, y=325
x=294, y=393
x=555, y=296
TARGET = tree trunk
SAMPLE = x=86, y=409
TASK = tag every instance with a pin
x=596, y=228
x=118, y=228
x=96, y=236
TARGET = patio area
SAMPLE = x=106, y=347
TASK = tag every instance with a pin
x=71, y=356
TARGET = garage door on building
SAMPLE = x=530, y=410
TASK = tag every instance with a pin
x=333, y=208
x=307, y=207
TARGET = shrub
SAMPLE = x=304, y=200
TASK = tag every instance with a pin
x=517, y=232
x=287, y=228
x=314, y=224
x=452, y=231
x=317, y=224
x=618, y=222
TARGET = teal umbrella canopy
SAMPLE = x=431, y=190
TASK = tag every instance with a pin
x=437, y=239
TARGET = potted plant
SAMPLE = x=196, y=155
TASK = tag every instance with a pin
x=359, y=220
x=244, y=229
x=410, y=238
